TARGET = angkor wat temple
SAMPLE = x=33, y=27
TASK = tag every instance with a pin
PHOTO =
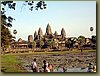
x=52, y=41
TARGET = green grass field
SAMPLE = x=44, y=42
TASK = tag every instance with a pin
x=9, y=63
x=55, y=52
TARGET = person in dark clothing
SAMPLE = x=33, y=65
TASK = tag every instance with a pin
x=44, y=65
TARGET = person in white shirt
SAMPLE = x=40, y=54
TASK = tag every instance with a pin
x=47, y=64
x=34, y=65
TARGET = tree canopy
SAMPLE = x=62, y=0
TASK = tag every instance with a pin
x=6, y=21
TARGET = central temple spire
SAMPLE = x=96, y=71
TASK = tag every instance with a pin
x=48, y=29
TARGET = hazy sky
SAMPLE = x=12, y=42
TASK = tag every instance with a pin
x=76, y=17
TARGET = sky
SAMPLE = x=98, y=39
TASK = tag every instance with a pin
x=76, y=17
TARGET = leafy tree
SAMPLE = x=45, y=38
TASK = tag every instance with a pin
x=91, y=28
x=69, y=43
x=81, y=41
x=40, y=43
x=93, y=39
x=6, y=21
x=51, y=43
x=39, y=5
x=33, y=44
x=6, y=36
x=15, y=32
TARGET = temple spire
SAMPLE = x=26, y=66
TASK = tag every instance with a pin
x=48, y=29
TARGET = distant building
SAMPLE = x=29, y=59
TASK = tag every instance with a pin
x=59, y=41
x=30, y=38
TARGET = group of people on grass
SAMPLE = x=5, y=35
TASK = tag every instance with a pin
x=46, y=67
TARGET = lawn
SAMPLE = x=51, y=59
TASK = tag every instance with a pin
x=55, y=52
x=10, y=63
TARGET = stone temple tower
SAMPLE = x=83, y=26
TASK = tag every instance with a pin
x=48, y=29
x=35, y=35
x=30, y=38
x=63, y=33
x=40, y=33
x=55, y=33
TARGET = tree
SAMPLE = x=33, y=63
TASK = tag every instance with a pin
x=6, y=21
x=91, y=29
x=40, y=43
x=69, y=43
x=81, y=41
x=93, y=39
x=51, y=43
x=6, y=37
x=12, y=5
x=33, y=44
x=39, y=5
x=15, y=32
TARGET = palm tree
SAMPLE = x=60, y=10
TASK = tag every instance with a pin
x=91, y=29
x=15, y=32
